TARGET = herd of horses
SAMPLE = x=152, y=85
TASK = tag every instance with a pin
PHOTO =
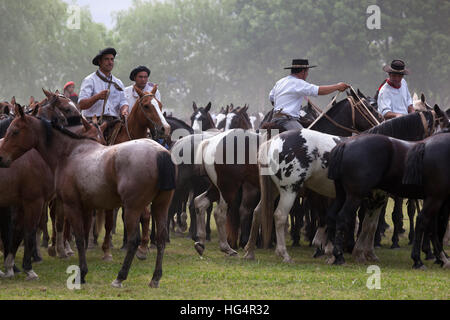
x=346, y=162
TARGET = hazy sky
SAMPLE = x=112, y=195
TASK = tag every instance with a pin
x=101, y=9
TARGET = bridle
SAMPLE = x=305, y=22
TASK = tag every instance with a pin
x=141, y=106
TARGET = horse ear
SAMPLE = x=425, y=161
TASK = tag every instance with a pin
x=422, y=98
x=57, y=92
x=19, y=111
x=441, y=113
x=348, y=93
x=103, y=126
x=48, y=94
x=415, y=97
x=138, y=91
x=194, y=106
x=361, y=94
x=165, y=114
x=85, y=123
x=155, y=88
x=35, y=110
x=31, y=101
x=208, y=107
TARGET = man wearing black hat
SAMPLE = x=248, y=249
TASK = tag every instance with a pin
x=140, y=76
x=101, y=93
x=394, y=99
x=287, y=94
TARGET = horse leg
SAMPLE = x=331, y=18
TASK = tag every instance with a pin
x=124, y=239
x=114, y=226
x=325, y=244
x=381, y=225
x=32, y=211
x=411, y=206
x=106, y=246
x=426, y=245
x=145, y=222
x=133, y=239
x=347, y=212
x=296, y=222
x=92, y=235
x=281, y=218
x=44, y=228
x=250, y=198
x=52, y=249
x=160, y=206
x=249, y=249
x=208, y=222
x=220, y=215
x=397, y=216
x=67, y=238
x=81, y=227
x=201, y=204
x=430, y=207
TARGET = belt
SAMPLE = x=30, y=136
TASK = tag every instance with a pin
x=278, y=115
x=107, y=118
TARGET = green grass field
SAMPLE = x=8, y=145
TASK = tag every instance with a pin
x=214, y=276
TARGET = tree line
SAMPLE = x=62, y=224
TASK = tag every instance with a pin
x=229, y=50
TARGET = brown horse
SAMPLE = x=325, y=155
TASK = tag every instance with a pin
x=91, y=176
x=29, y=183
x=145, y=115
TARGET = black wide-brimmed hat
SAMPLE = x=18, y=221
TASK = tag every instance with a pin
x=136, y=70
x=112, y=51
x=397, y=66
x=300, y=64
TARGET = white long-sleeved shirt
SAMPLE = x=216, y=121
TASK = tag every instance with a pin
x=92, y=85
x=287, y=94
x=395, y=100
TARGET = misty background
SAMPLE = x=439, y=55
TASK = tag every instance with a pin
x=228, y=51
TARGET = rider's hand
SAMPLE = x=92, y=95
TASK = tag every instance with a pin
x=342, y=86
x=102, y=95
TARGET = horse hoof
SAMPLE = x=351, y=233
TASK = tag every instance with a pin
x=419, y=266
x=117, y=284
x=31, y=275
x=37, y=261
x=330, y=260
x=395, y=246
x=199, y=247
x=372, y=257
x=429, y=256
x=318, y=253
x=339, y=261
x=2, y=275
x=107, y=258
x=154, y=284
x=249, y=255
x=232, y=253
x=52, y=251
x=141, y=253
x=62, y=255
x=295, y=244
x=446, y=265
x=288, y=260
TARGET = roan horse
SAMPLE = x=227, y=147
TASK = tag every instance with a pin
x=376, y=162
x=91, y=176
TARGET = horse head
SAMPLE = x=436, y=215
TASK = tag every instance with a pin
x=57, y=109
x=93, y=131
x=420, y=104
x=201, y=119
x=151, y=110
x=238, y=118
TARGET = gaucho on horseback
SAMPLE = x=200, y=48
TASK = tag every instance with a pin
x=287, y=94
x=102, y=94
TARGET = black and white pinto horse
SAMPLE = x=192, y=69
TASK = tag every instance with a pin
x=296, y=159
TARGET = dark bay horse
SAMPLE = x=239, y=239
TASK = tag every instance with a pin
x=363, y=165
x=201, y=119
x=92, y=176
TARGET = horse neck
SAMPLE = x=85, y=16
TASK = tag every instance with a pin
x=341, y=114
x=408, y=127
x=58, y=148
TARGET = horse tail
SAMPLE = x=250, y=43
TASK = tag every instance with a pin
x=335, y=161
x=167, y=172
x=267, y=197
x=414, y=165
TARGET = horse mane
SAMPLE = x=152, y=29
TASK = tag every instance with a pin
x=408, y=127
x=180, y=122
x=48, y=125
